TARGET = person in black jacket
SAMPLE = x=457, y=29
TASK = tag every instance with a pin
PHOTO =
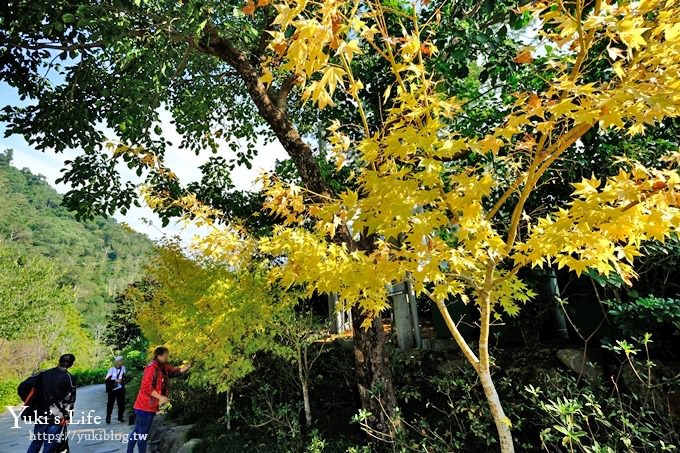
x=57, y=395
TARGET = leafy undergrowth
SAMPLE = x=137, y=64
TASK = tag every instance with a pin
x=8, y=393
x=89, y=377
x=266, y=408
x=442, y=405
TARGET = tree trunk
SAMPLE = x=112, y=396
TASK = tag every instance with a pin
x=228, y=415
x=372, y=370
x=271, y=107
x=501, y=421
x=374, y=378
x=308, y=407
x=482, y=368
x=303, y=370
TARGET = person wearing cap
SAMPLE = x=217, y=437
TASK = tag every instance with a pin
x=115, y=387
x=57, y=394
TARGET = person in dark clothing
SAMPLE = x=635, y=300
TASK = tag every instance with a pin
x=153, y=393
x=57, y=396
x=115, y=387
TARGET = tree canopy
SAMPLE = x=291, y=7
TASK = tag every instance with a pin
x=213, y=316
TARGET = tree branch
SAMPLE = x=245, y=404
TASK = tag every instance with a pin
x=280, y=96
x=212, y=43
x=62, y=47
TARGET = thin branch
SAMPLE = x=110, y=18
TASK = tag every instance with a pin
x=62, y=47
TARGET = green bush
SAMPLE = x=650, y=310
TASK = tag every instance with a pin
x=443, y=408
x=192, y=403
x=8, y=393
x=132, y=388
x=646, y=314
x=588, y=420
x=266, y=414
x=89, y=377
x=135, y=359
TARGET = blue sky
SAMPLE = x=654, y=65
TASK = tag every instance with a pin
x=183, y=162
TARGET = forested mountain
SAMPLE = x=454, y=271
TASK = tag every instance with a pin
x=98, y=257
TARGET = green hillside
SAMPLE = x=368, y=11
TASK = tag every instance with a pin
x=99, y=257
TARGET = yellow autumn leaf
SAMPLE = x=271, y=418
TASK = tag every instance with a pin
x=631, y=33
x=349, y=49
x=672, y=32
x=267, y=77
x=331, y=78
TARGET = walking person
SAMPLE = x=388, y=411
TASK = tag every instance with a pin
x=115, y=388
x=153, y=393
x=56, y=395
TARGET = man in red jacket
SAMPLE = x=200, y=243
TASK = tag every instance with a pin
x=153, y=393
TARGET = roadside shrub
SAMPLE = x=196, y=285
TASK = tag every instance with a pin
x=132, y=388
x=136, y=354
x=8, y=393
x=266, y=413
x=192, y=404
x=89, y=377
x=135, y=359
x=443, y=408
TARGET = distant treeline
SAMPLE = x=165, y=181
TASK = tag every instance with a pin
x=98, y=258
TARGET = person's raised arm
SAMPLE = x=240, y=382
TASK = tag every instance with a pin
x=173, y=371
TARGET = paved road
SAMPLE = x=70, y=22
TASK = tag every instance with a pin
x=85, y=437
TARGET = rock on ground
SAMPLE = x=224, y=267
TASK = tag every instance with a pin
x=574, y=360
x=167, y=437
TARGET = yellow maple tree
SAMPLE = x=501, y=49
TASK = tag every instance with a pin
x=434, y=219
